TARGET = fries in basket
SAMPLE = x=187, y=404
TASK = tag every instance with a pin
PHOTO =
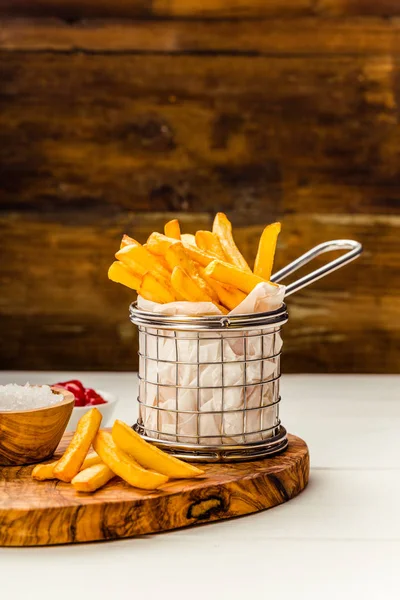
x=205, y=267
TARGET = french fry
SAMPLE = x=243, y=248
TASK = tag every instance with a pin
x=137, y=258
x=92, y=478
x=187, y=287
x=188, y=238
x=43, y=472
x=210, y=242
x=231, y=275
x=91, y=459
x=197, y=255
x=216, y=269
x=124, y=466
x=172, y=229
x=70, y=463
x=223, y=228
x=150, y=456
x=222, y=308
x=228, y=295
x=158, y=243
x=126, y=240
x=266, y=251
x=176, y=256
x=155, y=289
x=120, y=273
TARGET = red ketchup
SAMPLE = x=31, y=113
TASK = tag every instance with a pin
x=83, y=396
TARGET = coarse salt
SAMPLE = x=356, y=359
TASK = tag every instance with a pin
x=26, y=397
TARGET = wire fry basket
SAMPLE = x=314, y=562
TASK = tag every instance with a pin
x=209, y=386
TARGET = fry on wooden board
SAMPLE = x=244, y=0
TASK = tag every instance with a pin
x=92, y=478
x=91, y=459
x=43, y=472
x=125, y=466
x=150, y=456
x=71, y=461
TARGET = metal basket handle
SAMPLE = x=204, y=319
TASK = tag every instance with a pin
x=355, y=249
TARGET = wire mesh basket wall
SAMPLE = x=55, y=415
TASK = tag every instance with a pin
x=209, y=386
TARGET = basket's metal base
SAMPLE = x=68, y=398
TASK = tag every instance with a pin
x=222, y=453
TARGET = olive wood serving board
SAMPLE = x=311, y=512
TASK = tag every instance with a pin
x=36, y=513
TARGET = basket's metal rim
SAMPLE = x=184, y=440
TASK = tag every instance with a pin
x=208, y=322
x=221, y=453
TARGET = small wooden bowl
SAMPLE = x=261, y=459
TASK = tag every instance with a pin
x=29, y=436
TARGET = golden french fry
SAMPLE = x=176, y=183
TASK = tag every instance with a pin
x=172, y=229
x=120, y=273
x=91, y=459
x=223, y=228
x=157, y=290
x=176, y=256
x=124, y=466
x=228, y=295
x=137, y=258
x=197, y=255
x=223, y=309
x=266, y=251
x=70, y=463
x=92, y=478
x=126, y=241
x=231, y=275
x=150, y=456
x=158, y=243
x=187, y=287
x=42, y=472
x=188, y=238
x=210, y=242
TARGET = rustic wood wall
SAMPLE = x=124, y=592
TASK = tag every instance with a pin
x=117, y=115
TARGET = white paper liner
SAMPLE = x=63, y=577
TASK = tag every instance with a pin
x=202, y=384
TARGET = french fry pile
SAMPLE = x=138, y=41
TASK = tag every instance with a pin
x=120, y=453
x=205, y=267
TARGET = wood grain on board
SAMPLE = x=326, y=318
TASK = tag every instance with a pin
x=113, y=125
x=36, y=513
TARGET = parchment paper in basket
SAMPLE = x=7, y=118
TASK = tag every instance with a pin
x=211, y=349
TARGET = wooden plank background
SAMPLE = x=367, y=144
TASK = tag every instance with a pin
x=115, y=116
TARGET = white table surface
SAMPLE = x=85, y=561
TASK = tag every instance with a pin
x=339, y=539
